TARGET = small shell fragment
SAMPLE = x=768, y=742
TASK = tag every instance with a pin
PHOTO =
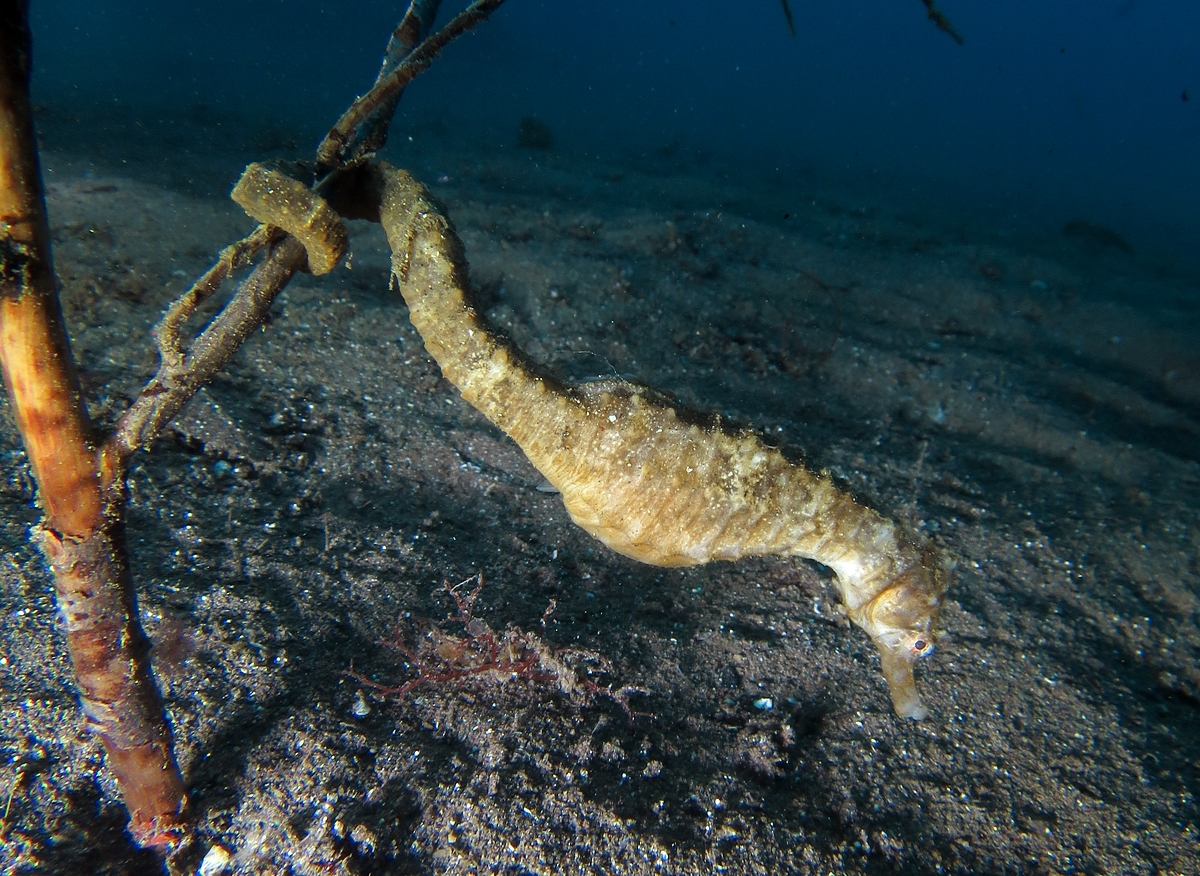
x=216, y=861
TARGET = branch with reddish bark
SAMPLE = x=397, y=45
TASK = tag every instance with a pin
x=81, y=480
x=82, y=535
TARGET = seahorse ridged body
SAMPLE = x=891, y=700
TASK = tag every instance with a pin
x=657, y=483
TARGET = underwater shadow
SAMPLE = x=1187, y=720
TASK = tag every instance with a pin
x=93, y=839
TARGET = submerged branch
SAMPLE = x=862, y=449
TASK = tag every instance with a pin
x=290, y=244
x=232, y=258
x=787, y=12
x=409, y=33
x=82, y=535
x=182, y=373
x=332, y=154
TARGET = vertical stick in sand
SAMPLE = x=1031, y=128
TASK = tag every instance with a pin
x=82, y=534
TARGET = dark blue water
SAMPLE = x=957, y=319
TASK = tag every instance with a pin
x=1050, y=110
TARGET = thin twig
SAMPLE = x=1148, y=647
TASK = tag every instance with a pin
x=330, y=154
x=787, y=12
x=20, y=777
x=941, y=21
x=180, y=376
x=409, y=33
x=232, y=258
x=412, y=29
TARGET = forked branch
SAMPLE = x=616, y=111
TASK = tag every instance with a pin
x=362, y=128
x=331, y=154
x=182, y=372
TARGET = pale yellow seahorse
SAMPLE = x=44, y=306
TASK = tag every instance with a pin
x=650, y=480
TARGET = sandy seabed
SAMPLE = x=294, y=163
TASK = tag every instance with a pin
x=1032, y=406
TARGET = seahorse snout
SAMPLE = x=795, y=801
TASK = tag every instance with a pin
x=902, y=621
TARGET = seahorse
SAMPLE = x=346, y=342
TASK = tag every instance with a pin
x=648, y=478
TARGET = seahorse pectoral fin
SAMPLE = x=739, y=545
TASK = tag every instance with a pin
x=897, y=665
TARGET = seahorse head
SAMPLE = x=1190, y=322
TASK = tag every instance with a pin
x=902, y=621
